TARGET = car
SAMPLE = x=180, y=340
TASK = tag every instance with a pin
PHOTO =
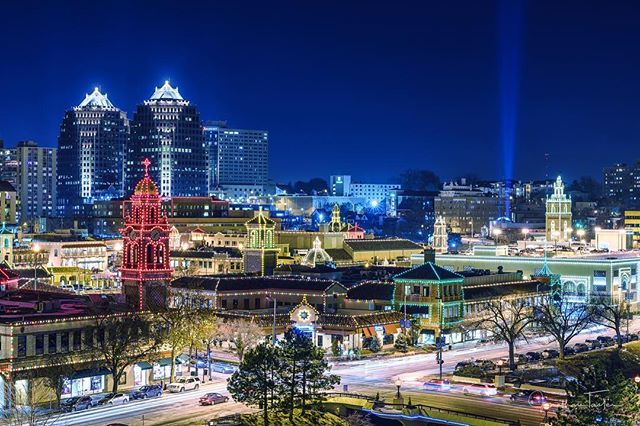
x=148, y=391
x=437, y=385
x=593, y=343
x=533, y=356
x=633, y=337
x=480, y=389
x=76, y=403
x=569, y=350
x=531, y=397
x=114, y=399
x=580, y=347
x=623, y=338
x=606, y=340
x=213, y=398
x=550, y=354
x=223, y=367
x=513, y=378
x=184, y=384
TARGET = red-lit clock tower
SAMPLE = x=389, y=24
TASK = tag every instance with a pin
x=145, y=271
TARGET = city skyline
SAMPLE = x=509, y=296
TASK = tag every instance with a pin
x=332, y=89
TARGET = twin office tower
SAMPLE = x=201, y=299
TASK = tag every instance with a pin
x=100, y=150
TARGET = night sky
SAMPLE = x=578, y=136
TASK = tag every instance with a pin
x=366, y=88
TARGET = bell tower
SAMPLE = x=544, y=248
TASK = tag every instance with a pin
x=260, y=254
x=145, y=272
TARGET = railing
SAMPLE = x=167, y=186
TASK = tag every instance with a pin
x=427, y=407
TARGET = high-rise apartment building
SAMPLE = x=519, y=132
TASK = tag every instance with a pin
x=91, y=154
x=617, y=181
x=8, y=164
x=36, y=180
x=167, y=130
x=236, y=156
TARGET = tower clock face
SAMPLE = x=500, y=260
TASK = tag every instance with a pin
x=155, y=234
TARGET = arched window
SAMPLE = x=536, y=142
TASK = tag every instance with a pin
x=160, y=255
x=149, y=254
x=570, y=288
x=133, y=256
x=581, y=290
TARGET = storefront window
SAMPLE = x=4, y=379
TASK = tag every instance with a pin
x=39, y=344
x=53, y=343
x=22, y=346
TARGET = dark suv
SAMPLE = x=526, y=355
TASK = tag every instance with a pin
x=148, y=391
x=76, y=403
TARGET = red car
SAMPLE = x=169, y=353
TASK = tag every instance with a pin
x=213, y=398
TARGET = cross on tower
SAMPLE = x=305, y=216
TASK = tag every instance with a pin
x=146, y=163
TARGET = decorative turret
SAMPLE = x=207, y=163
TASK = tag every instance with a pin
x=145, y=271
x=558, y=214
x=335, y=225
x=260, y=254
x=440, y=235
x=316, y=256
x=6, y=245
x=96, y=100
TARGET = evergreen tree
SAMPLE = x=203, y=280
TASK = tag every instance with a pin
x=401, y=343
x=375, y=345
x=254, y=382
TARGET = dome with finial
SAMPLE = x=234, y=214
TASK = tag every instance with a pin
x=316, y=256
x=146, y=186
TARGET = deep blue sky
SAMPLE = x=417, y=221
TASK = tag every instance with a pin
x=363, y=87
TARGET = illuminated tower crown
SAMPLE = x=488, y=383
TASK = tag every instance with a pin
x=145, y=271
x=336, y=224
x=260, y=254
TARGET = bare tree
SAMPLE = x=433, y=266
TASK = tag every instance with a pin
x=124, y=340
x=508, y=320
x=562, y=319
x=176, y=336
x=31, y=408
x=243, y=334
x=60, y=367
x=611, y=314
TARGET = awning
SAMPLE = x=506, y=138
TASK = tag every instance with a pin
x=183, y=359
x=390, y=328
x=144, y=365
x=91, y=372
x=366, y=331
x=163, y=362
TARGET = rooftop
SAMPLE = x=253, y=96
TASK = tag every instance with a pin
x=96, y=100
x=166, y=92
x=6, y=186
x=372, y=290
x=382, y=245
x=254, y=283
x=429, y=272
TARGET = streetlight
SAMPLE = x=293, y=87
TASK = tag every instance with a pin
x=36, y=250
x=525, y=233
x=398, y=384
x=546, y=406
x=500, y=364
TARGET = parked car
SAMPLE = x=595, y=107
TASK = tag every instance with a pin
x=213, y=398
x=633, y=337
x=514, y=378
x=623, y=338
x=223, y=367
x=114, y=399
x=184, y=384
x=531, y=397
x=437, y=385
x=533, y=356
x=76, y=403
x=550, y=354
x=606, y=340
x=580, y=347
x=593, y=343
x=569, y=350
x=480, y=389
x=145, y=392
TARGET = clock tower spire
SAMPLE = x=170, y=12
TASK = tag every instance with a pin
x=145, y=271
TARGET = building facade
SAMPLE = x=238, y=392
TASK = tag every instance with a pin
x=236, y=156
x=167, y=129
x=8, y=202
x=8, y=164
x=91, y=154
x=558, y=214
x=36, y=180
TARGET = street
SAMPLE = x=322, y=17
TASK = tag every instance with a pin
x=364, y=376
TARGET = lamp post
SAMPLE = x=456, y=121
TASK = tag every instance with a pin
x=500, y=364
x=546, y=406
x=36, y=250
x=525, y=233
x=398, y=383
x=273, y=326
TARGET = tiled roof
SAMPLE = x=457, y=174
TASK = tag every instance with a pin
x=430, y=272
x=207, y=254
x=372, y=290
x=338, y=254
x=254, y=283
x=378, y=245
x=481, y=292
